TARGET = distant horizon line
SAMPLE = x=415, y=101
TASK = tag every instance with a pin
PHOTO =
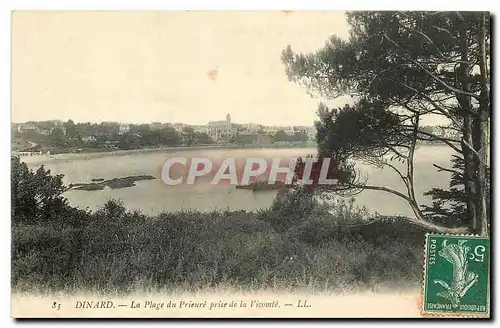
x=150, y=122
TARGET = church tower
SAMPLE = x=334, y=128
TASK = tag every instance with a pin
x=228, y=122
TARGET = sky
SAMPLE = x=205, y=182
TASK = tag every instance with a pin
x=166, y=66
x=139, y=67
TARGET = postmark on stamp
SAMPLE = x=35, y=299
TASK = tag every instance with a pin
x=456, y=275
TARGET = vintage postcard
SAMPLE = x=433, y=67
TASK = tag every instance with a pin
x=250, y=164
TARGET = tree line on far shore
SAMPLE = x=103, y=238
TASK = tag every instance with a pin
x=64, y=136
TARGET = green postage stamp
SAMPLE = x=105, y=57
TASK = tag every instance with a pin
x=456, y=275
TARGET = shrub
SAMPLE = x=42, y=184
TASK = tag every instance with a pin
x=290, y=208
x=35, y=196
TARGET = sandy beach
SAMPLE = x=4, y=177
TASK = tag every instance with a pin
x=52, y=158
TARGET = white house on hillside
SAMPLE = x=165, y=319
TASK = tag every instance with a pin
x=124, y=128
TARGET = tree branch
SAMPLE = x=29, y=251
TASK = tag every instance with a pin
x=472, y=149
x=396, y=152
x=440, y=168
x=430, y=100
x=380, y=188
x=425, y=37
x=397, y=171
x=444, y=30
x=432, y=75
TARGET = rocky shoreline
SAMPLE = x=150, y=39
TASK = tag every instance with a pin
x=263, y=185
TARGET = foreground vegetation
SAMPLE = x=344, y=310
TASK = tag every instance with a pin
x=296, y=244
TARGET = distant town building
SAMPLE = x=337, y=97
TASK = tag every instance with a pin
x=290, y=130
x=111, y=143
x=89, y=139
x=446, y=132
x=311, y=133
x=156, y=126
x=46, y=132
x=301, y=128
x=221, y=130
x=200, y=128
x=270, y=129
x=253, y=127
x=21, y=128
x=178, y=126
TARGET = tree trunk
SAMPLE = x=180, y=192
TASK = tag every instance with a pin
x=484, y=107
x=470, y=176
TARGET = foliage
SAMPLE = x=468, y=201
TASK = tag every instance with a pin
x=363, y=130
x=290, y=208
x=449, y=206
x=399, y=67
x=36, y=196
x=280, y=135
x=191, y=137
